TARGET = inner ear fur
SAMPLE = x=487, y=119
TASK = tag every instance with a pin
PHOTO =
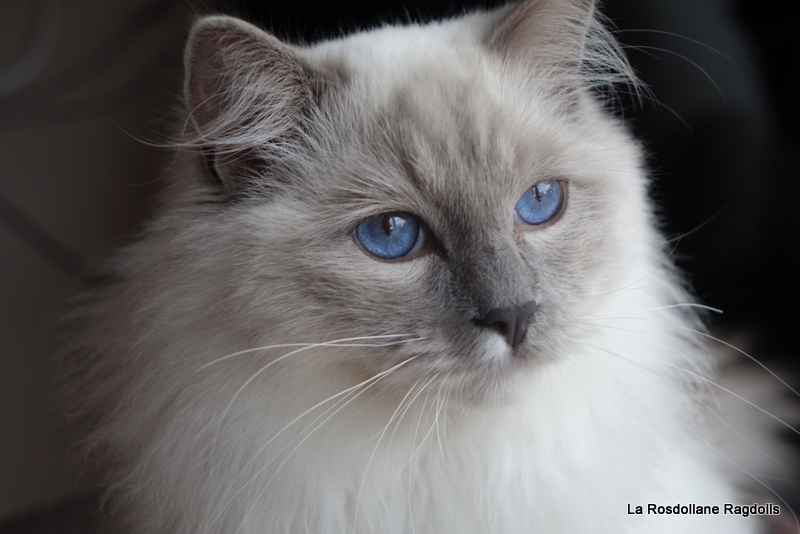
x=547, y=38
x=246, y=92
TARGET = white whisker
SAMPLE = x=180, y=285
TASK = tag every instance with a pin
x=734, y=463
x=702, y=439
x=708, y=381
x=405, y=410
x=292, y=353
x=669, y=306
x=709, y=336
x=671, y=349
x=375, y=450
x=369, y=381
x=439, y=403
x=335, y=342
x=419, y=421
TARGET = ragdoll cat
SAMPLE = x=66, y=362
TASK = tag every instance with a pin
x=404, y=281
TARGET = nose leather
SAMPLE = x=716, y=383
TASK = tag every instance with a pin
x=511, y=322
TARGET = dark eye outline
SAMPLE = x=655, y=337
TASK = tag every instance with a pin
x=421, y=246
x=524, y=225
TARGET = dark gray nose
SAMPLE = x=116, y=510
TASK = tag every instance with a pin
x=511, y=322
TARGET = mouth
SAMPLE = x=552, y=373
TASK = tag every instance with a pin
x=480, y=366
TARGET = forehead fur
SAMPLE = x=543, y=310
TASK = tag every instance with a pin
x=384, y=54
x=447, y=77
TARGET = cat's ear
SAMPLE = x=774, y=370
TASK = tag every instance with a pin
x=246, y=92
x=547, y=36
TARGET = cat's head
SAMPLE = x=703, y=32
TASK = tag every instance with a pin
x=451, y=194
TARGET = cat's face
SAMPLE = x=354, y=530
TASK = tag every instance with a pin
x=424, y=191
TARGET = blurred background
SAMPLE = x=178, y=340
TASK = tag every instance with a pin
x=88, y=87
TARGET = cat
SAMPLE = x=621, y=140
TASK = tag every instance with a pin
x=404, y=281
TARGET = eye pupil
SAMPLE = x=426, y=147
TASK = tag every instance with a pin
x=387, y=225
x=539, y=204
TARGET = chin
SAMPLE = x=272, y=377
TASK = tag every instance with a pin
x=503, y=378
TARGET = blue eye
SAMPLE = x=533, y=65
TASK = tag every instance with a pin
x=540, y=203
x=391, y=235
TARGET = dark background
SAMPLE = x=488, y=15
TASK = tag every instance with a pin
x=79, y=169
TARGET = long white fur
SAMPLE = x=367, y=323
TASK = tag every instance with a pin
x=217, y=421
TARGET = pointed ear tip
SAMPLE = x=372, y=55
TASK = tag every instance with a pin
x=207, y=29
x=221, y=22
x=203, y=33
x=207, y=26
x=206, y=35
